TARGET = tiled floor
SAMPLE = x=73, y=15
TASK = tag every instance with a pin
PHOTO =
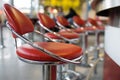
x=11, y=68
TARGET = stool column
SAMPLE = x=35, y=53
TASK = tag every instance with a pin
x=96, y=54
x=85, y=51
x=49, y=72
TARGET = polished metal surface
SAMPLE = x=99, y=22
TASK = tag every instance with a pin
x=48, y=73
x=115, y=17
x=104, y=7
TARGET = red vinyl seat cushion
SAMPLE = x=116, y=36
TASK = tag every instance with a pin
x=100, y=28
x=91, y=28
x=79, y=30
x=68, y=51
x=69, y=35
x=52, y=36
x=76, y=30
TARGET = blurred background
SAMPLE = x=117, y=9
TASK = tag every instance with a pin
x=53, y=7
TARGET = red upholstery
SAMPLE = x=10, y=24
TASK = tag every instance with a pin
x=100, y=27
x=92, y=21
x=78, y=20
x=79, y=30
x=46, y=20
x=66, y=34
x=68, y=51
x=62, y=20
x=17, y=20
x=69, y=35
x=52, y=36
x=91, y=28
x=76, y=30
x=22, y=24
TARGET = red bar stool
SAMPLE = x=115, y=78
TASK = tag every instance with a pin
x=90, y=29
x=99, y=30
x=78, y=27
x=68, y=36
x=65, y=25
x=80, y=24
x=48, y=54
x=62, y=22
x=48, y=24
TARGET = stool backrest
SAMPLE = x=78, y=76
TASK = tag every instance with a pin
x=92, y=21
x=46, y=20
x=78, y=20
x=17, y=20
x=63, y=21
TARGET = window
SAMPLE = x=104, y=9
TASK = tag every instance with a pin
x=23, y=5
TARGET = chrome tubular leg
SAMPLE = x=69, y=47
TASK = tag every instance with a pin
x=60, y=69
x=96, y=53
x=43, y=31
x=85, y=51
x=49, y=72
x=71, y=67
x=68, y=74
x=30, y=36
